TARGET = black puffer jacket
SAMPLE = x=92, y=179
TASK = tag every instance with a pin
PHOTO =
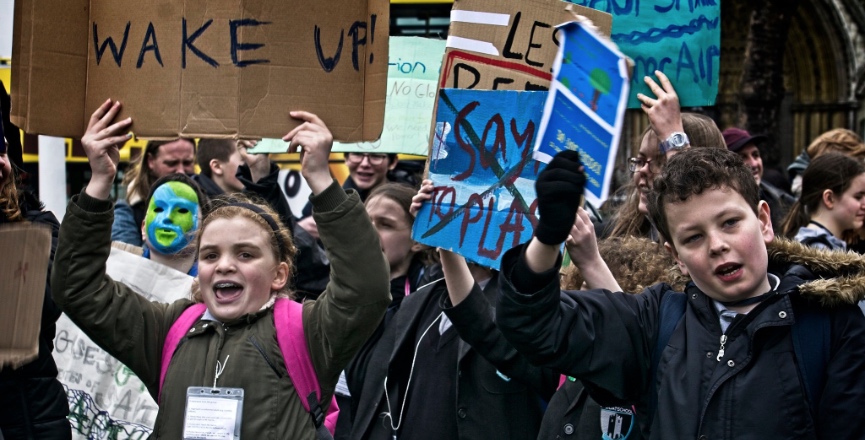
x=754, y=392
x=33, y=403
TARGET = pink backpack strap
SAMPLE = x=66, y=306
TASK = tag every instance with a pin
x=288, y=319
x=175, y=334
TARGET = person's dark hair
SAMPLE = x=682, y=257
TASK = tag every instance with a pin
x=209, y=149
x=139, y=171
x=832, y=171
x=182, y=178
x=693, y=171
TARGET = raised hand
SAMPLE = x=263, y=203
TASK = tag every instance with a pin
x=102, y=141
x=664, y=111
x=316, y=141
x=582, y=243
x=423, y=194
x=559, y=188
x=259, y=164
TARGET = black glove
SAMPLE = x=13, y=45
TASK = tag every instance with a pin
x=559, y=187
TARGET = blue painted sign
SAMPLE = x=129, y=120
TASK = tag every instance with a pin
x=481, y=163
x=680, y=38
x=585, y=108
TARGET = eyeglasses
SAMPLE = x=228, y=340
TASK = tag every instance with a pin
x=374, y=159
x=636, y=163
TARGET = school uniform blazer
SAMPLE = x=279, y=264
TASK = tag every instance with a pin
x=488, y=406
x=753, y=392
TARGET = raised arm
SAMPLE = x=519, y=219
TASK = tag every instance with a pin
x=128, y=326
x=358, y=293
x=572, y=332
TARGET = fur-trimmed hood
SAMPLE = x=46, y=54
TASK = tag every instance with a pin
x=637, y=262
x=839, y=275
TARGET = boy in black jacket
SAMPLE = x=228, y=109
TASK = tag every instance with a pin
x=729, y=369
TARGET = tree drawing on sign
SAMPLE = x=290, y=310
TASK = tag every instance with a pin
x=601, y=82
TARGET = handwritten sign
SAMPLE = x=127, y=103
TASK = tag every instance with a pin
x=495, y=45
x=481, y=163
x=412, y=78
x=107, y=400
x=202, y=69
x=680, y=38
x=585, y=108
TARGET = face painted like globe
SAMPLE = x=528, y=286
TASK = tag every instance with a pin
x=172, y=217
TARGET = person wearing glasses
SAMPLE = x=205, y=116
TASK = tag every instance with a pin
x=366, y=171
x=631, y=220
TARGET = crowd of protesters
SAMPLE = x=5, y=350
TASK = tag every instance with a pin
x=711, y=304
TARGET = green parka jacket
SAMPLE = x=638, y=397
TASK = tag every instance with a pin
x=133, y=329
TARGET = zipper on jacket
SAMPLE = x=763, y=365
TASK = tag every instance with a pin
x=266, y=359
x=721, y=349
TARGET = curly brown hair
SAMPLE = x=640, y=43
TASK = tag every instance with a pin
x=693, y=171
x=636, y=263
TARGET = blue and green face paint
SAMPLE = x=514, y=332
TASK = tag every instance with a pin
x=172, y=217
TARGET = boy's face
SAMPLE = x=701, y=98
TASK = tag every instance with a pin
x=721, y=243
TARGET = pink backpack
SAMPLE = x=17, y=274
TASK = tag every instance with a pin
x=288, y=319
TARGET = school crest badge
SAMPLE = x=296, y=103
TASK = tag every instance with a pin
x=616, y=423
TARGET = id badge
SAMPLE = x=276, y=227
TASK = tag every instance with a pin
x=212, y=413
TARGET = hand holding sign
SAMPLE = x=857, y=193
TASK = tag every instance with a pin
x=424, y=194
x=101, y=143
x=316, y=141
x=559, y=187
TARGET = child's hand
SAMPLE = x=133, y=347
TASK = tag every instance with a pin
x=423, y=194
x=259, y=164
x=316, y=140
x=582, y=244
x=102, y=141
x=559, y=188
x=664, y=112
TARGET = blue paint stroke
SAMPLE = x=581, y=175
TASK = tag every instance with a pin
x=655, y=35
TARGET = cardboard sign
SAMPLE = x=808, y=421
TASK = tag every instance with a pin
x=682, y=39
x=507, y=45
x=221, y=68
x=26, y=248
x=481, y=163
x=585, y=108
x=107, y=400
x=412, y=81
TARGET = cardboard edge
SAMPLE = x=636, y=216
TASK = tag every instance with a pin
x=19, y=95
x=375, y=75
